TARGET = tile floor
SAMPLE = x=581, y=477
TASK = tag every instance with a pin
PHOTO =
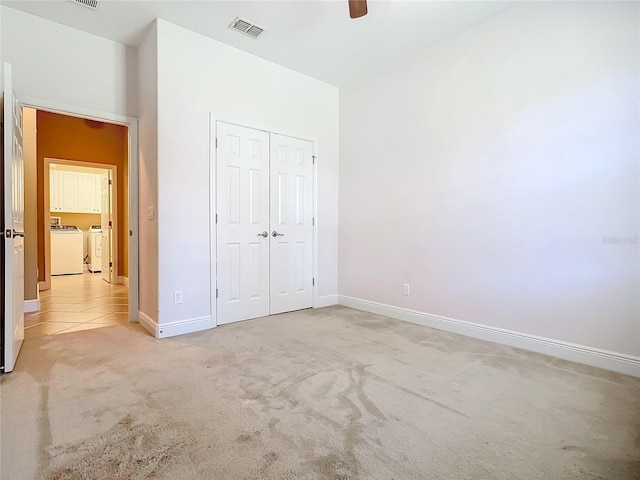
x=78, y=302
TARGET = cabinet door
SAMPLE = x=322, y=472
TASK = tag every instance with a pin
x=54, y=191
x=67, y=187
x=86, y=202
x=98, y=192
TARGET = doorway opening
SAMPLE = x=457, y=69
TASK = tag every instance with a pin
x=82, y=198
x=79, y=264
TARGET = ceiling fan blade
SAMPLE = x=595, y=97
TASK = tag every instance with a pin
x=357, y=8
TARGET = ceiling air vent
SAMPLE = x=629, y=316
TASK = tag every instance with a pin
x=92, y=4
x=246, y=27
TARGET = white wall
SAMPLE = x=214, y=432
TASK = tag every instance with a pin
x=196, y=76
x=148, y=172
x=486, y=171
x=60, y=64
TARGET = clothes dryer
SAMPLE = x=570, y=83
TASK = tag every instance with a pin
x=95, y=248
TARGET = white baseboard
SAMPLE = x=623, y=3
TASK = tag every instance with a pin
x=618, y=362
x=325, y=301
x=32, y=305
x=148, y=323
x=172, y=329
x=125, y=281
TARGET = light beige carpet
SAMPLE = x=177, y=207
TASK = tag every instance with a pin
x=332, y=394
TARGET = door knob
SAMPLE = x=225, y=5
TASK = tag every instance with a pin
x=10, y=233
x=276, y=234
x=264, y=234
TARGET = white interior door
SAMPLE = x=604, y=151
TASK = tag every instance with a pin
x=242, y=198
x=106, y=227
x=13, y=182
x=291, y=278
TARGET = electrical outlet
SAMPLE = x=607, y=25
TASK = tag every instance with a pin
x=177, y=297
x=405, y=289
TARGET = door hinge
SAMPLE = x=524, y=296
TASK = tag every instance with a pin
x=216, y=142
x=111, y=264
x=110, y=223
x=216, y=218
x=313, y=220
x=314, y=159
x=216, y=293
x=313, y=282
x=110, y=182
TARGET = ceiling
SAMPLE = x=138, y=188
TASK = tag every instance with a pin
x=316, y=38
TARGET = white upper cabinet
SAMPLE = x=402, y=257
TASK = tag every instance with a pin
x=88, y=200
x=67, y=191
x=74, y=192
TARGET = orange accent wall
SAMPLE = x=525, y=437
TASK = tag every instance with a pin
x=71, y=138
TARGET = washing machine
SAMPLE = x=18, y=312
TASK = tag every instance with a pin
x=66, y=250
x=95, y=248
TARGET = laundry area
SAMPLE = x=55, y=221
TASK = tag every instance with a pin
x=76, y=197
x=73, y=251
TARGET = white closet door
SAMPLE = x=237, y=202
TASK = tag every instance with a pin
x=243, y=223
x=291, y=224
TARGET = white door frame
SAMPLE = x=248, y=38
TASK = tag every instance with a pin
x=132, y=124
x=213, y=161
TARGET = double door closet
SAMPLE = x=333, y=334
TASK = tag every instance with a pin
x=264, y=223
